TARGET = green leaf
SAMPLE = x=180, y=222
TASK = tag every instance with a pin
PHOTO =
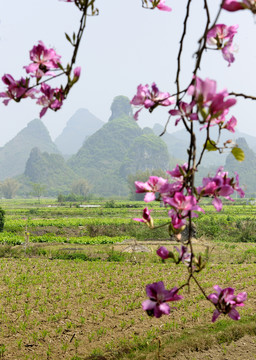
x=238, y=153
x=211, y=145
x=68, y=38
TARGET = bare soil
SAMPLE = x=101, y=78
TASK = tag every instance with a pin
x=54, y=309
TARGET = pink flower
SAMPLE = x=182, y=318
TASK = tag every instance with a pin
x=43, y=60
x=146, y=218
x=17, y=89
x=213, y=106
x=77, y=72
x=152, y=186
x=158, y=298
x=163, y=253
x=179, y=171
x=237, y=188
x=179, y=221
x=185, y=110
x=182, y=203
x=51, y=98
x=184, y=256
x=203, y=90
x=150, y=99
x=219, y=185
x=169, y=189
x=234, y=5
x=161, y=5
x=230, y=124
x=226, y=302
x=222, y=36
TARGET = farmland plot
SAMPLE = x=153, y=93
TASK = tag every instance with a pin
x=52, y=308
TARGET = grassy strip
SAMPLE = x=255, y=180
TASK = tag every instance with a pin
x=201, y=338
x=13, y=239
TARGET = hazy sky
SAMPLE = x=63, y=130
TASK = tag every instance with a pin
x=124, y=46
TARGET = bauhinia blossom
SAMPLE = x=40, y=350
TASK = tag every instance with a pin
x=226, y=302
x=43, y=60
x=222, y=36
x=184, y=255
x=178, y=171
x=150, y=99
x=163, y=252
x=151, y=187
x=220, y=185
x=230, y=124
x=235, y=5
x=157, y=305
x=181, y=206
x=146, y=218
x=185, y=111
x=161, y=5
x=51, y=98
x=213, y=106
x=16, y=89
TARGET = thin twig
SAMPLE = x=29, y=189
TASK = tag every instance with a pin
x=243, y=95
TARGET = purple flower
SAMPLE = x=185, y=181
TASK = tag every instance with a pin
x=16, y=89
x=185, y=110
x=161, y=5
x=178, y=171
x=146, y=218
x=163, y=253
x=226, y=302
x=51, y=98
x=150, y=99
x=158, y=297
x=152, y=186
x=184, y=256
x=234, y=5
x=43, y=60
x=220, y=185
x=230, y=124
x=77, y=72
x=222, y=36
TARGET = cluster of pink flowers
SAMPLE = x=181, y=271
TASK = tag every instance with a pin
x=220, y=185
x=44, y=61
x=222, y=36
x=150, y=99
x=212, y=107
x=16, y=89
x=226, y=302
x=172, y=194
x=157, y=305
x=184, y=255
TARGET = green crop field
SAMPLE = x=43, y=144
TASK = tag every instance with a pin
x=73, y=280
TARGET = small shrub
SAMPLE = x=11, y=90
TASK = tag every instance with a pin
x=2, y=218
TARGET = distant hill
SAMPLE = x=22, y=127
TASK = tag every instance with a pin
x=212, y=158
x=147, y=152
x=14, y=154
x=118, y=148
x=49, y=170
x=178, y=142
x=176, y=147
x=79, y=127
x=246, y=169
